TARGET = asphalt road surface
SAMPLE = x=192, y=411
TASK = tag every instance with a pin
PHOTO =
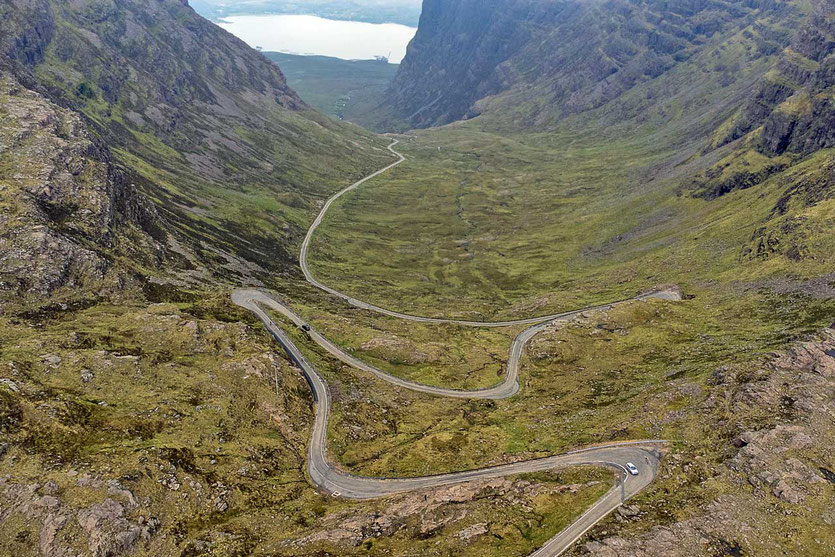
x=645, y=455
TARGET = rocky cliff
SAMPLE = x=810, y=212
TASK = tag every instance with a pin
x=453, y=59
x=207, y=125
x=805, y=121
x=68, y=212
x=792, y=102
x=561, y=57
x=789, y=116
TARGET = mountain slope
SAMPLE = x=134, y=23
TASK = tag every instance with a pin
x=601, y=165
x=793, y=103
x=561, y=57
x=229, y=153
x=68, y=213
x=149, y=160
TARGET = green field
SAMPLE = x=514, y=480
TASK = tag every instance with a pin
x=144, y=384
x=345, y=89
x=494, y=227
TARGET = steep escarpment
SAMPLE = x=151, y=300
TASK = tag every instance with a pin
x=68, y=212
x=789, y=118
x=559, y=57
x=793, y=103
x=452, y=60
x=232, y=157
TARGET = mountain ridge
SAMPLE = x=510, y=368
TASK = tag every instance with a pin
x=545, y=53
x=198, y=117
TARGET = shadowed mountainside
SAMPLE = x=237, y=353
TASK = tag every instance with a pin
x=230, y=155
x=561, y=57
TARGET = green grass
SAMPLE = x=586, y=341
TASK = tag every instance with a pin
x=498, y=223
x=185, y=395
x=441, y=234
x=610, y=377
x=345, y=89
x=643, y=370
x=527, y=210
x=449, y=355
x=245, y=180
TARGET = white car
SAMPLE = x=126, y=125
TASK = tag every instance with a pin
x=632, y=469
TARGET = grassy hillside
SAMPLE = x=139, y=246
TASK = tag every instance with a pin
x=150, y=162
x=502, y=227
x=235, y=161
x=715, y=173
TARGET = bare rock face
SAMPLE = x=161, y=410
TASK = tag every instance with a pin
x=564, y=56
x=63, y=201
x=788, y=463
x=427, y=513
x=46, y=189
x=791, y=103
x=451, y=62
x=807, y=122
x=106, y=529
x=34, y=26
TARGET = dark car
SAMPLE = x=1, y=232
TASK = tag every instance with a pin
x=306, y=327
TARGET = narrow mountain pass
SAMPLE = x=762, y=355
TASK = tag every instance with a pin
x=636, y=463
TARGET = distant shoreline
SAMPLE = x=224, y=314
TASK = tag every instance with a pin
x=400, y=16
x=323, y=57
x=315, y=35
x=224, y=18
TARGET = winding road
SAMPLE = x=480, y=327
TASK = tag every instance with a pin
x=645, y=455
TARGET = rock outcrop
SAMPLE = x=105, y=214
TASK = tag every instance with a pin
x=793, y=103
x=67, y=209
x=428, y=512
x=784, y=458
x=559, y=57
x=105, y=529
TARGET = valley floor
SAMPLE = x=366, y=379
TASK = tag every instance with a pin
x=641, y=371
x=737, y=376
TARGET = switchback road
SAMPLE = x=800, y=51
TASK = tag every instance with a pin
x=644, y=455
